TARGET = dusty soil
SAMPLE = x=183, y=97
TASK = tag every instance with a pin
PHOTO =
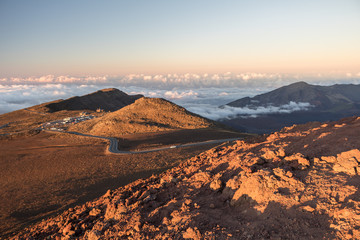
x=145, y=115
x=300, y=183
x=133, y=142
x=49, y=172
x=22, y=122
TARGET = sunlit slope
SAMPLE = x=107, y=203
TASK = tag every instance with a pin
x=145, y=115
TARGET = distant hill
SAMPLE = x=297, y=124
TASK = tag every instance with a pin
x=328, y=98
x=110, y=99
x=328, y=103
x=145, y=115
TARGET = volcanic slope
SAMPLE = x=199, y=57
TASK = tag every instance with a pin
x=339, y=97
x=300, y=183
x=110, y=99
x=145, y=115
x=326, y=103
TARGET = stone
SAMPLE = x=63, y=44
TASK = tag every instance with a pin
x=108, y=193
x=67, y=229
x=115, y=212
x=298, y=161
x=347, y=162
x=329, y=159
x=92, y=235
x=94, y=212
x=308, y=208
x=268, y=154
x=280, y=152
x=192, y=233
x=149, y=198
x=216, y=185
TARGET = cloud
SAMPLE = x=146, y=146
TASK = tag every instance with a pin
x=180, y=95
x=191, y=80
x=17, y=96
x=201, y=93
x=228, y=112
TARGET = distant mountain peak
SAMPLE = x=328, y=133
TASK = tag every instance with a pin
x=327, y=103
x=108, y=99
x=300, y=84
x=109, y=90
x=323, y=97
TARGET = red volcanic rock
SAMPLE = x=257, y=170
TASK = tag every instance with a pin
x=292, y=184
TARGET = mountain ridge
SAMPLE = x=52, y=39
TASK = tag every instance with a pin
x=108, y=99
x=326, y=103
x=323, y=98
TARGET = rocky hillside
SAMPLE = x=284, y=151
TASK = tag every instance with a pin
x=339, y=97
x=299, y=183
x=145, y=115
x=110, y=99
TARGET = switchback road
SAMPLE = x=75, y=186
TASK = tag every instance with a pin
x=113, y=146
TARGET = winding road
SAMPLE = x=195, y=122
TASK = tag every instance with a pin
x=113, y=146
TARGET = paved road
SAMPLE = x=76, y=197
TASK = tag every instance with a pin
x=113, y=146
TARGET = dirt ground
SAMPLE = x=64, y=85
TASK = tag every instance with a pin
x=300, y=183
x=49, y=172
x=133, y=142
x=22, y=122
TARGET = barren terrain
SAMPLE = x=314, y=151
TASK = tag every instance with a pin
x=46, y=173
x=23, y=122
x=109, y=99
x=145, y=115
x=300, y=183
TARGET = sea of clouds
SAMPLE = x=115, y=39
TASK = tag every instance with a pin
x=199, y=93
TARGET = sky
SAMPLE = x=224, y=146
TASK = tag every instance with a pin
x=199, y=54
x=97, y=38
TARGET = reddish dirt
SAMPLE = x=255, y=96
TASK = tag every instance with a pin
x=23, y=122
x=145, y=115
x=299, y=183
x=47, y=173
x=133, y=142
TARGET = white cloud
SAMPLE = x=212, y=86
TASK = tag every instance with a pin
x=201, y=93
x=191, y=80
x=216, y=113
x=180, y=95
x=17, y=96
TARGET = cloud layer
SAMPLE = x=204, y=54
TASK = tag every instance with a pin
x=228, y=112
x=200, y=93
x=190, y=80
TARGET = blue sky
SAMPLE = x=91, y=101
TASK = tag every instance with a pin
x=121, y=37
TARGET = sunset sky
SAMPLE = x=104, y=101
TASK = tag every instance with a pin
x=82, y=38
